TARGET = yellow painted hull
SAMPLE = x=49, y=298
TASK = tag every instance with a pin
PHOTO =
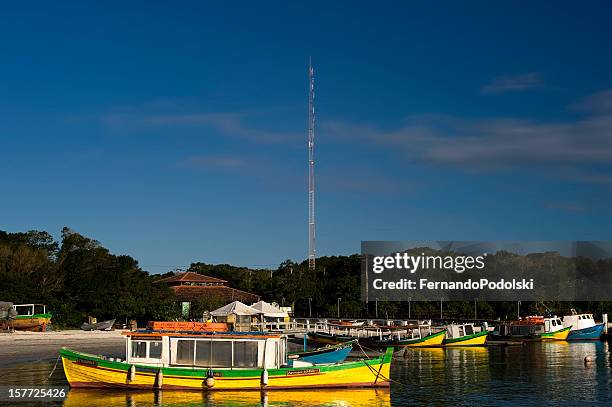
x=379, y=397
x=433, y=340
x=88, y=373
x=560, y=335
x=30, y=324
x=470, y=341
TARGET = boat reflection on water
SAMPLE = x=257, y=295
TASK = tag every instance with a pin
x=301, y=398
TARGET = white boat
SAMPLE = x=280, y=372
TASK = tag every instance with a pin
x=583, y=326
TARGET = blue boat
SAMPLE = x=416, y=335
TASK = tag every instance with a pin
x=591, y=333
x=322, y=356
x=583, y=327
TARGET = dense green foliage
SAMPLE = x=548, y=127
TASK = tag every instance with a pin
x=78, y=277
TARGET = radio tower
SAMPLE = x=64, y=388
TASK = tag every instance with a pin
x=311, y=179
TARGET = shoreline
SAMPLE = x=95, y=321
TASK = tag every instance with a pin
x=22, y=346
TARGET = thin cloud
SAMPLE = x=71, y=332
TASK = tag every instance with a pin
x=598, y=103
x=227, y=123
x=492, y=144
x=516, y=83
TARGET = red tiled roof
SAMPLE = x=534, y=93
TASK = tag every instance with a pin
x=190, y=277
x=194, y=293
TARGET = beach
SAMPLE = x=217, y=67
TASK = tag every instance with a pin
x=20, y=346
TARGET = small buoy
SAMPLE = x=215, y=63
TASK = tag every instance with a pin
x=264, y=378
x=588, y=359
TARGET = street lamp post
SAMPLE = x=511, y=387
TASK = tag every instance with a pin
x=309, y=307
x=409, y=316
x=376, y=308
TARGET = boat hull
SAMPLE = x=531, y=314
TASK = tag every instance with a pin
x=476, y=339
x=88, y=371
x=590, y=333
x=334, y=354
x=100, y=326
x=433, y=340
x=560, y=335
x=328, y=339
x=35, y=323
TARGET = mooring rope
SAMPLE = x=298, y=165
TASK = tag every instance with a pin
x=378, y=374
x=55, y=367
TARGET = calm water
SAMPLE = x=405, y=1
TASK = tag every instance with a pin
x=534, y=374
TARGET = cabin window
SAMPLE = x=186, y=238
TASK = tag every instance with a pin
x=139, y=349
x=202, y=353
x=245, y=354
x=469, y=330
x=155, y=349
x=184, y=352
x=221, y=354
x=27, y=310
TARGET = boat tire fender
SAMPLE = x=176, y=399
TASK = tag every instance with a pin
x=132, y=373
x=264, y=377
x=159, y=379
x=210, y=379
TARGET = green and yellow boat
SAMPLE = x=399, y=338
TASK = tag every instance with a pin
x=31, y=317
x=216, y=361
x=464, y=335
x=415, y=341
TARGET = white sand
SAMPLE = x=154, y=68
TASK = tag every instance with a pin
x=23, y=346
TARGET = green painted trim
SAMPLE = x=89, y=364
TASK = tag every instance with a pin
x=335, y=346
x=466, y=337
x=412, y=341
x=47, y=315
x=201, y=372
x=549, y=334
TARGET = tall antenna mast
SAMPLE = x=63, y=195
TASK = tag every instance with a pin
x=311, y=179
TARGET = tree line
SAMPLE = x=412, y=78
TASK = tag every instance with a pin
x=77, y=277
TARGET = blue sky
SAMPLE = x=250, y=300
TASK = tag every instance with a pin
x=178, y=133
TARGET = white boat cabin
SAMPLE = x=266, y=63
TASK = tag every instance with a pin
x=206, y=350
x=551, y=324
x=454, y=331
x=578, y=321
x=30, y=309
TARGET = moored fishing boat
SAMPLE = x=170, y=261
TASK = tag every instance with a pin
x=583, y=327
x=215, y=361
x=464, y=335
x=328, y=338
x=550, y=328
x=325, y=355
x=353, y=323
x=416, y=340
x=509, y=332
